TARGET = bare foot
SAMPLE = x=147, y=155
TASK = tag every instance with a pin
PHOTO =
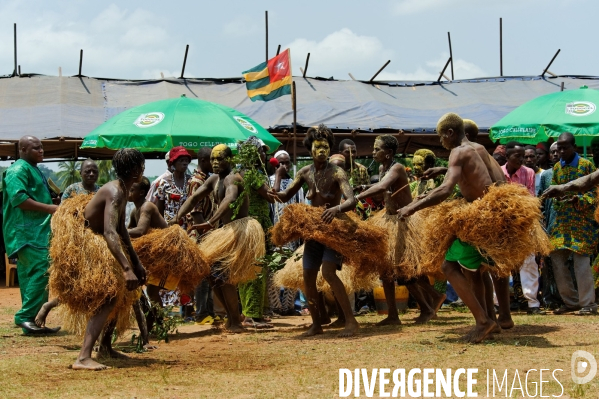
x=337, y=323
x=324, y=319
x=150, y=347
x=104, y=352
x=437, y=305
x=88, y=364
x=313, y=330
x=249, y=323
x=505, y=322
x=40, y=319
x=350, y=329
x=480, y=332
x=496, y=329
x=389, y=321
x=424, y=318
x=234, y=328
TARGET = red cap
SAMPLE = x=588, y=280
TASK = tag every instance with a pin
x=178, y=152
x=274, y=162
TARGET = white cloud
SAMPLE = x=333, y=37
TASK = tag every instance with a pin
x=338, y=53
x=406, y=7
x=117, y=42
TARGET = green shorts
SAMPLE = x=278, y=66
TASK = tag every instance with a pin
x=466, y=255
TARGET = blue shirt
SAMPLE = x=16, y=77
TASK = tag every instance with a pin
x=574, y=162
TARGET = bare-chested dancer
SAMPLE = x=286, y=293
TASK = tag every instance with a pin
x=105, y=215
x=502, y=287
x=469, y=172
x=226, y=187
x=146, y=215
x=394, y=178
x=326, y=184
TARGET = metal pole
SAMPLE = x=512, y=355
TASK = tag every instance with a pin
x=450, y=54
x=80, y=61
x=444, y=68
x=379, y=71
x=562, y=87
x=266, y=21
x=306, y=67
x=500, y=47
x=15, y=71
x=184, y=62
x=550, y=62
x=278, y=49
x=19, y=70
x=294, y=104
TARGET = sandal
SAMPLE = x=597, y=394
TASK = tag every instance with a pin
x=256, y=325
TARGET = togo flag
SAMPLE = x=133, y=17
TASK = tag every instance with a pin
x=270, y=79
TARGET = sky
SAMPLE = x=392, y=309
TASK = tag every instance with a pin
x=140, y=39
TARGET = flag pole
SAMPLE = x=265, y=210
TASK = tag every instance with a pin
x=294, y=106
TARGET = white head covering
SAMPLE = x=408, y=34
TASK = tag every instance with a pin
x=281, y=152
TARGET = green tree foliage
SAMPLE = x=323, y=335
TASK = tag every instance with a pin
x=105, y=172
x=68, y=173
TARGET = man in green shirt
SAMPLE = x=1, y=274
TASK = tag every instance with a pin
x=27, y=207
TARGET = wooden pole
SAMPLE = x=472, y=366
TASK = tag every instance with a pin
x=19, y=70
x=379, y=71
x=184, y=62
x=500, y=47
x=266, y=21
x=278, y=49
x=450, y=54
x=15, y=71
x=562, y=87
x=80, y=61
x=294, y=105
x=306, y=67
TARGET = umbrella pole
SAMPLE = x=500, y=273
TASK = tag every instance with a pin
x=294, y=106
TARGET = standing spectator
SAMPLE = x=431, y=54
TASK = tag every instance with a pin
x=151, y=196
x=282, y=300
x=574, y=231
x=543, y=156
x=531, y=161
x=500, y=155
x=356, y=172
x=27, y=208
x=551, y=295
x=516, y=172
x=87, y=185
x=171, y=192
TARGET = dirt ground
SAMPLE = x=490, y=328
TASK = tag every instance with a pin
x=204, y=362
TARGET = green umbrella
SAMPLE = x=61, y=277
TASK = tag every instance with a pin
x=550, y=115
x=162, y=125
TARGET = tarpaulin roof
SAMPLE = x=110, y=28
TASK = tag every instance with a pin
x=70, y=107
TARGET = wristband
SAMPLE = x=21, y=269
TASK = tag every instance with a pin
x=338, y=208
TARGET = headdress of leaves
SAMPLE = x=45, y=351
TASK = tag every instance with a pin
x=248, y=161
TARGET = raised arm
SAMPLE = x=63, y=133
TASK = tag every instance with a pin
x=383, y=185
x=231, y=193
x=143, y=224
x=198, y=195
x=292, y=189
x=439, y=194
x=580, y=185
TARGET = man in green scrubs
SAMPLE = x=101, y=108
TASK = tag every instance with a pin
x=27, y=208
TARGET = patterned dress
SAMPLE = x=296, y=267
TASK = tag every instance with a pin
x=77, y=188
x=359, y=175
x=173, y=197
x=574, y=227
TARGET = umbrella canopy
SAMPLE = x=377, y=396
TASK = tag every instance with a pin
x=162, y=125
x=550, y=115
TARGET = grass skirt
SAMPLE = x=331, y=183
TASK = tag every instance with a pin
x=397, y=230
x=84, y=274
x=232, y=250
x=292, y=276
x=504, y=225
x=172, y=252
x=353, y=238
